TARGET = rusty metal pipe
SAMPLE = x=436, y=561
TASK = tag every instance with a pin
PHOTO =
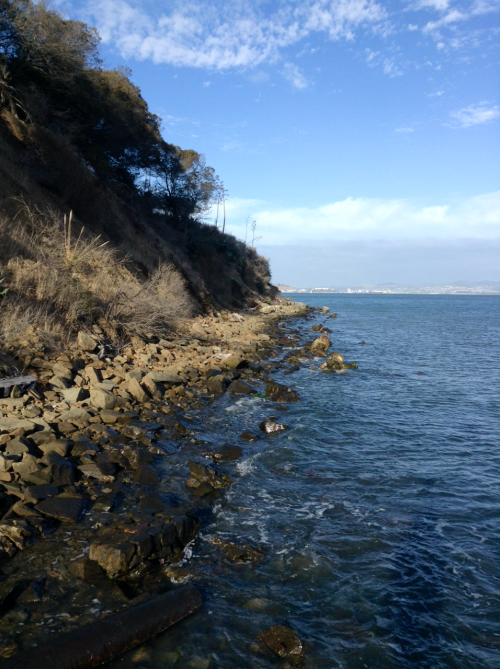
x=101, y=641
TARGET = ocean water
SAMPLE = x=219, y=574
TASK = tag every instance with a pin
x=378, y=510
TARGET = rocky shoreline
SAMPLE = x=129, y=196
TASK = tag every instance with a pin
x=103, y=482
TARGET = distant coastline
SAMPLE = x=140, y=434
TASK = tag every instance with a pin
x=476, y=288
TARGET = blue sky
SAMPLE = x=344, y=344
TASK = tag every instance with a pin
x=331, y=123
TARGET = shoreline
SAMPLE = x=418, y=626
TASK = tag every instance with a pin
x=90, y=513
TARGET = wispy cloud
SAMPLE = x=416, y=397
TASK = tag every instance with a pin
x=370, y=218
x=295, y=76
x=226, y=35
x=475, y=115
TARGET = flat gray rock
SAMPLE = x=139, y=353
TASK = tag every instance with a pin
x=11, y=424
x=62, y=508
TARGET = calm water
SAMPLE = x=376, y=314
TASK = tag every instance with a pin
x=378, y=510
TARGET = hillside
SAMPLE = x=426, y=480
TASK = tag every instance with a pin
x=102, y=221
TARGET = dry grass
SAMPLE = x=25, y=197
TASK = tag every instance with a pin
x=60, y=282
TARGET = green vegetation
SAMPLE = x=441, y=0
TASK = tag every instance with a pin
x=136, y=254
x=51, y=77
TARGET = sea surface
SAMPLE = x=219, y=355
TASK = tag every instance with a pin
x=378, y=510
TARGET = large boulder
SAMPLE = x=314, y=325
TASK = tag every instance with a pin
x=322, y=343
x=137, y=391
x=240, y=387
x=102, y=399
x=86, y=342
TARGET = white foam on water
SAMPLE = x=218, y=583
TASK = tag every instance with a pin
x=246, y=466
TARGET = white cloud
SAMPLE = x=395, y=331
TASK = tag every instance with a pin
x=455, y=15
x=294, y=75
x=206, y=84
x=405, y=129
x=439, y=5
x=474, y=115
x=370, y=218
x=228, y=35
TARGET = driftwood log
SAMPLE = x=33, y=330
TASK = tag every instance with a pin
x=110, y=636
x=24, y=382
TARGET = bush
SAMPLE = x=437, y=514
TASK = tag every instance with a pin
x=60, y=282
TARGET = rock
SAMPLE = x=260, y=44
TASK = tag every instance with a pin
x=332, y=316
x=204, y=474
x=202, y=489
x=185, y=529
x=73, y=395
x=60, y=446
x=109, y=502
x=18, y=532
x=102, y=399
x=93, y=375
x=86, y=570
x=37, y=493
x=138, y=457
x=284, y=642
x=17, y=446
x=102, y=471
x=86, y=342
x=152, y=503
x=109, y=416
x=27, y=466
x=66, y=428
x=336, y=357
x=239, y=387
x=53, y=458
x=322, y=343
x=249, y=436
x=62, y=508
x=235, y=553
x=272, y=427
x=216, y=384
x=31, y=412
x=59, y=382
x=75, y=414
x=116, y=560
x=277, y=392
x=136, y=374
x=168, y=377
x=7, y=461
x=62, y=372
x=225, y=453
x=199, y=332
x=148, y=383
x=233, y=362
x=25, y=511
x=325, y=310
x=137, y=391
x=146, y=475
x=11, y=424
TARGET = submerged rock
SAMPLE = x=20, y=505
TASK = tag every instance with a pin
x=236, y=553
x=284, y=642
x=201, y=473
x=277, y=392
